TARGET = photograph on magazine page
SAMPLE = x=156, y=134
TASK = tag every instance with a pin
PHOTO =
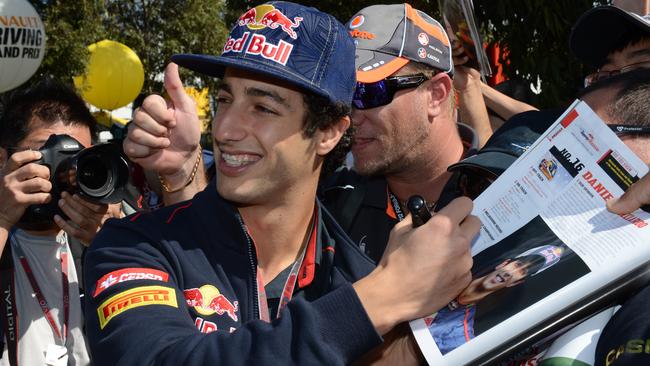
x=520, y=270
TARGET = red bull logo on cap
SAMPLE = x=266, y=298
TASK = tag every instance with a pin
x=259, y=46
x=208, y=300
x=266, y=15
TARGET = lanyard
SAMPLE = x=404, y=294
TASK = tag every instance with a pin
x=290, y=283
x=394, y=210
x=42, y=302
x=393, y=203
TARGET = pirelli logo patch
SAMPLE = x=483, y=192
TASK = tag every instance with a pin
x=133, y=298
x=128, y=274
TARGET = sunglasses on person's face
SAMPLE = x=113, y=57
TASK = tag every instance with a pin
x=371, y=95
x=630, y=130
x=602, y=75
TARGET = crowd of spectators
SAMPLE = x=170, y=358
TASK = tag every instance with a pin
x=281, y=250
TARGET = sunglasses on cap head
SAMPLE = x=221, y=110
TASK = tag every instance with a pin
x=630, y=130
x=371, y=95
x=602, y=75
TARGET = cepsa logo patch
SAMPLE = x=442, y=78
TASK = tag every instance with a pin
x=266, y=15
x=208, y=300
x=134, y=298
x=128, y=274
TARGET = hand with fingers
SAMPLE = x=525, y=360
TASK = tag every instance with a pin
x=424, y=267
x=164, y=135
x=464, y=77
x=85, y=217
x=637, y=196
x=22, y=183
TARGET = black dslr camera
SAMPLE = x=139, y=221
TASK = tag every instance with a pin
x=100, y=173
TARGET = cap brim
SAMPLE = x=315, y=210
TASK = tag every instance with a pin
x=598, y=31
x=216, y=66
x=494, y=162
x=373, y=66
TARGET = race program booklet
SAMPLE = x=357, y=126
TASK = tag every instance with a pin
x=547, y=244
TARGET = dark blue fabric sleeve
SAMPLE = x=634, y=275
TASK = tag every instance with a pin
x=333, y=329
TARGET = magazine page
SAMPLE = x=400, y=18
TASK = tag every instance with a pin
x=546, y=240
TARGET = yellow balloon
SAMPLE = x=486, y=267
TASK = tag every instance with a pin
x=114, y=75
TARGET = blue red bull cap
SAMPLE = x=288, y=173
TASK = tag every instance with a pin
x=294, y=43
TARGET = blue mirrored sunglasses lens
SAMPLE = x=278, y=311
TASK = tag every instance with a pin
x=371, y=95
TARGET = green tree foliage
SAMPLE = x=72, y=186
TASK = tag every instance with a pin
x=154, y=29
x=535, y=32
x=70, y=26
x=157, y=29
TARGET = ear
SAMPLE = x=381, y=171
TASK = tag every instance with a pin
x=328, y=138
x=438, y=90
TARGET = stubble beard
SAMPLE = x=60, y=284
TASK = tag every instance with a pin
x=396, y=157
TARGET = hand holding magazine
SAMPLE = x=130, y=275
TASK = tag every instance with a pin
x=549, y=253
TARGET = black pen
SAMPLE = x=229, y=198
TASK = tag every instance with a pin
x=417, y=206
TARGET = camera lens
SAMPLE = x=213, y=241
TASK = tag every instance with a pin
x=96, y=175
x=93, y=173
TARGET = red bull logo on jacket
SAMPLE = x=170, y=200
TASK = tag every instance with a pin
x=266, y=15
x=208, y=300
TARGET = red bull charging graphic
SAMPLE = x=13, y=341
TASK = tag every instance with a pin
x=208, y=300
x=268, y=16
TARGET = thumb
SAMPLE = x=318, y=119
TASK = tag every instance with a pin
x=175, y=89
x=636, y=196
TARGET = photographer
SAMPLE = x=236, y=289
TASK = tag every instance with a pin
x=43, y=322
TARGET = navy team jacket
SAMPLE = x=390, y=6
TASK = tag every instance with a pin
x=178, y=287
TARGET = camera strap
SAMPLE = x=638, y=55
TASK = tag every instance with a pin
x=8, y=302
x=62, y=334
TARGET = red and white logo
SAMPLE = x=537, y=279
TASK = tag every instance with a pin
x=259, y=46
x=422, y=52
x=423, y=39
x=208, y=300
x=128, y=274
x=266, y=15
x=357, y=21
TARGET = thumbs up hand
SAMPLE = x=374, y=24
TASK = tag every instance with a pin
x=164, y=135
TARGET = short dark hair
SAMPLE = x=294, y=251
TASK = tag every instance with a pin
x=321, y=114
x=48, y=100
x=631, y=105
x=532, y=263
x=625, y=40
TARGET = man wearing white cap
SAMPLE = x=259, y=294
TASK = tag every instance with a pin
x=403, y=112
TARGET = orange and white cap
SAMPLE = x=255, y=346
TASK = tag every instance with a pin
x=387, y=37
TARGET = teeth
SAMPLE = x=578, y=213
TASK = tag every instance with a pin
x=238, y=160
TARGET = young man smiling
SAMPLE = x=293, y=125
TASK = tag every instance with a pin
x=260, y=248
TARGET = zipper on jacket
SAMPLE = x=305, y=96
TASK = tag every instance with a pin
x=253, y=264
